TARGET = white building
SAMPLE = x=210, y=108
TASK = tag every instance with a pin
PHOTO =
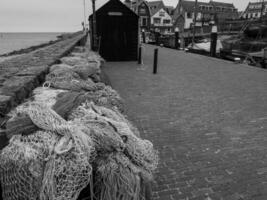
x=162, y=21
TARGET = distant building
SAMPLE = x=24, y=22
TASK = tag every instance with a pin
x=254, y=10
x=207, y=13
x=161, y=18
x=141, y=8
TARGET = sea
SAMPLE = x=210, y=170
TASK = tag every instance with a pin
x=16, y=41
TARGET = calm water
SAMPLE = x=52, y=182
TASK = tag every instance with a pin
x=15, y=41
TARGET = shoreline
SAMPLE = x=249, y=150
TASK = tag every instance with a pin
x=33, y=47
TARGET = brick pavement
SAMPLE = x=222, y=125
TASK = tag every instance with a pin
x=207, y=118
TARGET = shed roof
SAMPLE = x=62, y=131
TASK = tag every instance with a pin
x=117, y=5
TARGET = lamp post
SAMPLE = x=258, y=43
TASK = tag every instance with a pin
x=176, y=30
x=94, y=27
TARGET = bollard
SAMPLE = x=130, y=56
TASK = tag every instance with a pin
x=144, y=36
x=176, y=38
x=213, y=41
x=155, y=67
x=140, y=55
x=265, y=57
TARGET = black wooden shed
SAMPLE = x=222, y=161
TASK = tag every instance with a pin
x=117, y=31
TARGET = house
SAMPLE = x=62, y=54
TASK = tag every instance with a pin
x=255, y=10
x=161, y=19
x=141, y=8
x=117, y=28
x=207, y=13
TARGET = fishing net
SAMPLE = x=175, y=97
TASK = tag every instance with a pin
x=139, y=151
x=72, y=60
x=64, y=78
x=97, y=150
x=83, y=70
x=68, y=101
x=122, y=159
x=52, y=163
x=116, y=171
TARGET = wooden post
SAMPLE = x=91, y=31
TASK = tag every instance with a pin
x=265, y=57
x=176, y=44
x=140, y=55
x=94, y=42
x=144, y=36
x=213, y=41
x=155, y=66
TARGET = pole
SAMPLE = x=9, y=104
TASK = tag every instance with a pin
x=84, y=15
x=213, y=41
x=144, y=36
x=262, y=8
x=195, y=18
x=264, y=58
x=176, y=44
x=94, y=26
x=140, y=56
x=155, y=66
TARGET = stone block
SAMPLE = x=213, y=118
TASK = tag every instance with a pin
x=19, y=87
x=38, y=71
x=6, y=103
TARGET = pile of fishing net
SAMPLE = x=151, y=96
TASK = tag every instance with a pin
x=55, y=159
x=51, y=162
x=70, y=141
x=71, y=78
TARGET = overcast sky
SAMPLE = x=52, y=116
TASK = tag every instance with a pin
x=57, y=15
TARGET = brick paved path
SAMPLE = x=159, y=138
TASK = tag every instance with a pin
x=207, y=118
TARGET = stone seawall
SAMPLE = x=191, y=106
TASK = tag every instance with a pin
x=20, y=75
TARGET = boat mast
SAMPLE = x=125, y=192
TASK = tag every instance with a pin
x=195, y=18
x=262, y=9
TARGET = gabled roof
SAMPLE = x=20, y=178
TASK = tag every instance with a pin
x=169, y=9
x=228, y=5
x=155, y=6
x=189, y=6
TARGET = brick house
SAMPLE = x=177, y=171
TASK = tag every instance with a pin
x=141, y=8
x=254, y=10
x=161, y=18
x=207, y=13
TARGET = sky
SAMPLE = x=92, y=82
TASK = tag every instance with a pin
x=58, y=15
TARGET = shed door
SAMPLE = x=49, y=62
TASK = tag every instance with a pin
x=118, y=38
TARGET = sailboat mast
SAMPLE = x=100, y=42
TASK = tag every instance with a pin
x=195, y=18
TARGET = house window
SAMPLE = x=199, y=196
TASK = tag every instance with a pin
x=256, y=14
x=162, y=14
x=210, y=8
x=156, y=20
x=166, y=21
x=189, y=15
x=143, y=21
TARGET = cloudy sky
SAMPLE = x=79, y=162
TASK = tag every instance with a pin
x=57, y=15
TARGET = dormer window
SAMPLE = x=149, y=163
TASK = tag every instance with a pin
x=162, y=14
